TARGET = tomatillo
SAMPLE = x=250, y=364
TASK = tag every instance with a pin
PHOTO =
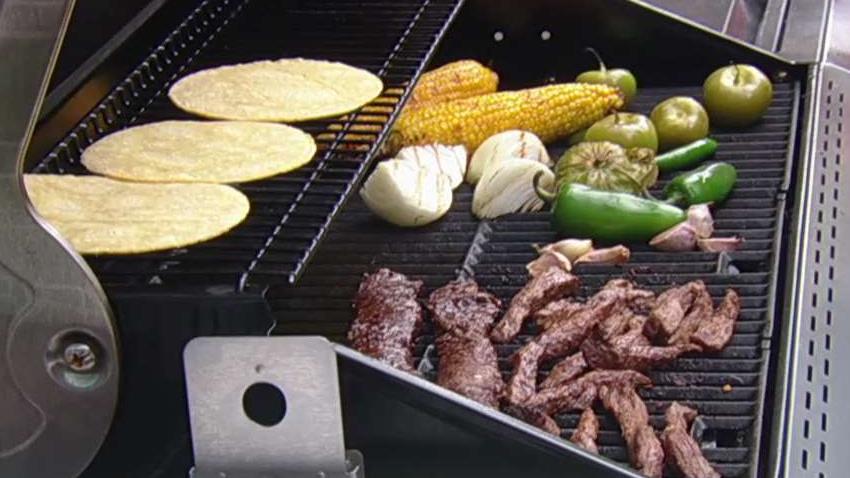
x=737, y=95
x=618, y=77
x=629, y=130
x=678, y=121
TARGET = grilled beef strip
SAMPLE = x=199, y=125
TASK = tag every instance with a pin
x=587, y=431
x=715, y=333
x=557, y=311
x=630, y=350
x=671, y=307
x=534, y=417
x=539, y=291
x=565, y=370
x=683, y=452
x=464, y=314
x=640, y=301
x=581, y=392
x=701, y=311
x=565, y=337
x=523, y=383
x=388, y=318
x=614, y=325
x=645, y=451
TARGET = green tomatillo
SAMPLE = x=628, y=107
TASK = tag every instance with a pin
x=737, y=95
x=617, y=77
x=678, y=121
x=629, y=130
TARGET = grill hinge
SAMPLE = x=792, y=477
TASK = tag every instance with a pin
x=266, y=407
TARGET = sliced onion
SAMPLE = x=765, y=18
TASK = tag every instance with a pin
x=507, y=187
x=506, y=145
x=448, y=160
x=404, y=194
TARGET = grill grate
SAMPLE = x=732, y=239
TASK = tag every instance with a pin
x=495, y=252
x=289, y=213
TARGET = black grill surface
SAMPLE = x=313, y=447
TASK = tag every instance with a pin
x=495, y=252
x=290, y=213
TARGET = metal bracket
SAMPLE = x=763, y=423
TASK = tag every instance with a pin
x=266, y=407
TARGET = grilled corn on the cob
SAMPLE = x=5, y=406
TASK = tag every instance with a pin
x=459, y=79
x=551, y=112
x=452, y=81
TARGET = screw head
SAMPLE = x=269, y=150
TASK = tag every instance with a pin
x=79, y=357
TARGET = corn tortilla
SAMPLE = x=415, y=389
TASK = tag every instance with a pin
x=200, y=151
x=104, y=216
x=283, y=90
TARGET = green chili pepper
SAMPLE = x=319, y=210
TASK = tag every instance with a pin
x=686, y=156
x=711, y=183
x=584, y=212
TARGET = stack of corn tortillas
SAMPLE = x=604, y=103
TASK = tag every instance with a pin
x=158, y=199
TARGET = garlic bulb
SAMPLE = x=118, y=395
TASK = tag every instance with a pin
x=507, y=187
x=505, y=145
x=405, y=194
x=448, y=160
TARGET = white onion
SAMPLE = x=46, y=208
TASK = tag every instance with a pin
x=405, y=194
x=448, y=160
x=506, y=145
x=507, y=187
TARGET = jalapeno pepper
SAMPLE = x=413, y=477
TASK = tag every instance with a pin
x=711, y=183
x=584, y=212
x=686, y=156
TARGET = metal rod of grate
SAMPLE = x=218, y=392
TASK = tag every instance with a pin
x=290, y=213
x=726, y=388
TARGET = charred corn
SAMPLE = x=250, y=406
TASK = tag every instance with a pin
x=551, y=112
x=456, y=80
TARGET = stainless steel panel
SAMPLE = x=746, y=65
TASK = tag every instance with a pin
x=59, y=376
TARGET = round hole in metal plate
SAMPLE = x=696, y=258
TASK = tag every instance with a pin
x=264, y=404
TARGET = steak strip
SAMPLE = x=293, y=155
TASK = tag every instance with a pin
x=388, y=318
x=565, y=370
x=587, y=431
x=715, y=333
x=539, y=291
x=464, y=313
x=581, y=392
x=557, y=311
x=645, y=451
x=683, y=452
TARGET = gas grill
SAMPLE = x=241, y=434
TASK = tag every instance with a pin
x=770, y=404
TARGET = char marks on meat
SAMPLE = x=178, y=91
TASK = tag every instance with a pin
x=700, y=311
x=565, y=370
x=565, y=336
x=645, y=451
x=581, y=392
x=557, y=311
x=715, y=333
x=464, y=314
x=683, y=452
x=539, y=291
x=630, y=350
x=671, y=307
x=523, y=383
x=388, y=318
x=587, y=431
x=534, y=417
